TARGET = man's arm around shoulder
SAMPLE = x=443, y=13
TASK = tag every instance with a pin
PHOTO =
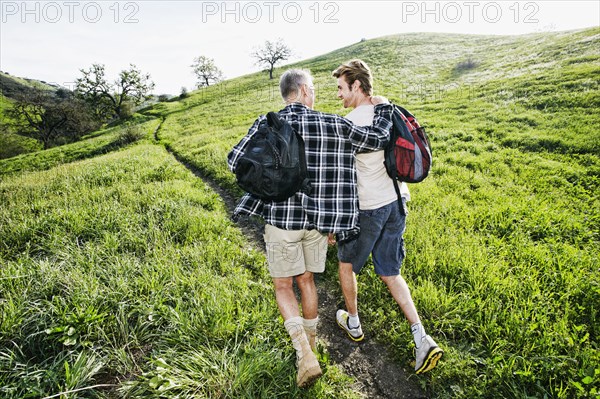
x=373, y=137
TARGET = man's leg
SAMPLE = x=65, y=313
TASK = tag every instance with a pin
x=285, y=260
x=314, y=249
x=285, y=297
x=388, y=255
x=352, y=256
x=401, y=293
x=349, y=320
x=308, y=366
x=308, y=295
x=310, y=304
x=349, y=287
x=427, y=351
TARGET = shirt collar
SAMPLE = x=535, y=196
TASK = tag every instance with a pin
x=296, y=108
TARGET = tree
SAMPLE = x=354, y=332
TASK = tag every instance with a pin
x=132, y=87
x=49, y=117
x=184, y=93
x=271, y=54
x=206, y=71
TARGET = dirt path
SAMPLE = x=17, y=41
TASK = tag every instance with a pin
x=376, y=375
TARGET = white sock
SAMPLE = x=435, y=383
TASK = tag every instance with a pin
x=418, y=333
x=353, y=321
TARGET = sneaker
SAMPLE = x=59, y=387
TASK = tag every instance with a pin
x=355, y=334
x=427, y=355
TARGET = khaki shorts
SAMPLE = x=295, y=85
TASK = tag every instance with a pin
x=293, y=252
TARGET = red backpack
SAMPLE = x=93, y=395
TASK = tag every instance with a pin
x=408, y=155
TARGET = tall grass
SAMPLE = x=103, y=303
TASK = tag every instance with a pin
x=97, y=143
x=125, y=272
x=122, y=275
x=503, y=238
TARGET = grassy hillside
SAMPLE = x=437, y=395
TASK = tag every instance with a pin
x=12, y=144
x=123, y=270
x=96, y=143
x=503, y=237
x=13, y=85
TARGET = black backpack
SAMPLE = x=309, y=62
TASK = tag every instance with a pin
x=407, y=157
x=273, y=165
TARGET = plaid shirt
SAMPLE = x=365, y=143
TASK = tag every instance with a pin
x=330, y=141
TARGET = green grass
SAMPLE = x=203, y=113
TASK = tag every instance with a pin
x=97, y=143
x=12, y=144
x=503, y=237
x=124, y=269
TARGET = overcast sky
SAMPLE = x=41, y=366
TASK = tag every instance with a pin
x=52, y=40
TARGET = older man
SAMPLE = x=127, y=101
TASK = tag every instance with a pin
x=295, y=231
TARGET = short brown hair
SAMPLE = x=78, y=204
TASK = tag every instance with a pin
x=356, y=70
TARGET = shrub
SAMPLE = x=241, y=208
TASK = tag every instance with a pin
x=126, y=110
x=131, y=134
x=466, y=65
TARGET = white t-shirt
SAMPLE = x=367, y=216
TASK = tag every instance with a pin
x=375, y=187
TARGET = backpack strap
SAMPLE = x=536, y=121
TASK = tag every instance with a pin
x=400, y=204
x=306, y=185
x=274, y=121
x=395, y=181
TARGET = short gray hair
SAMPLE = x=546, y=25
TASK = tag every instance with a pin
x=291, y=80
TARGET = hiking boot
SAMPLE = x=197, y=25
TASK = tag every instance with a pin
x=311, y=335
x=427, y=355
x=355, y=334
x=306, y=361
x=308, y=368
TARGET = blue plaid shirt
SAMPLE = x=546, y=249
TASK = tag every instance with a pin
x=330, y=142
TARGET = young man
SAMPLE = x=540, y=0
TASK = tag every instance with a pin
x=295, y=229
x=382, y=224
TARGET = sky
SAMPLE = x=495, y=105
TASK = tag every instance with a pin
x=53, y=40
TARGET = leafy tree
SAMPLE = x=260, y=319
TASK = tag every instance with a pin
x=50, y=117
x=114, y=99
x=271, y=54
x=206, y=71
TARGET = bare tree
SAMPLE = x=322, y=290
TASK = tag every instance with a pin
x=271, y=54
x=132, y=86
x=206, y=71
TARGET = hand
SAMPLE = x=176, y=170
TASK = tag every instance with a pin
x=375, y=100
x=331, y=239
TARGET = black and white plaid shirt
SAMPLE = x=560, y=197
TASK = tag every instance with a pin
x=330, y=142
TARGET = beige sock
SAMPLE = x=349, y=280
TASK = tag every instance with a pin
x=295, y=328
x=310, y=327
